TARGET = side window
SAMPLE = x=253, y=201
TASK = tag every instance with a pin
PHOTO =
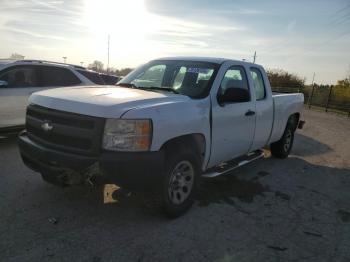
x=57, y=76
x=234, y=77
x=92, y=76
x=20, y=76
x=153, y=76
x=258, y=82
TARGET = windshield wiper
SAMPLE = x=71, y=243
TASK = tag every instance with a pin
x=130, y=85
x=169, y=89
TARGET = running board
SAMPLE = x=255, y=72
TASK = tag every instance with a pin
x=233, y=164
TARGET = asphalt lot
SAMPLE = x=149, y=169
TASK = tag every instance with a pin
x=296, y=209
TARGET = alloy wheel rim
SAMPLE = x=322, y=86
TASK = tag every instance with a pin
x=181, y=182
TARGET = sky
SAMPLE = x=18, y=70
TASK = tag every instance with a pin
x=300, y=36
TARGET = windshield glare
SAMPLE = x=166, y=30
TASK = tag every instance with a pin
x=185, y=77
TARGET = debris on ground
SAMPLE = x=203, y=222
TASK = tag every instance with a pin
x=278, y=248
x=53, y=220
x=312, y=234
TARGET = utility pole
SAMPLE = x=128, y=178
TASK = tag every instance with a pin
x=108, y=55
x=312, y=92
x=329, y=97
x=254, y=57
x=64, y=59
x=313, y=79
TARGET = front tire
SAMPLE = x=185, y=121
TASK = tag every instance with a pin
x=182, y=172
x=282, y=147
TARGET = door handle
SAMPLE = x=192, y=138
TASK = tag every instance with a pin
x=250, y=113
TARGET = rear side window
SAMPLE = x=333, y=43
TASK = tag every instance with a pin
x=258, y=82
x=92, y=76
x=57, y=76
x=20, y=76
x=236, y=77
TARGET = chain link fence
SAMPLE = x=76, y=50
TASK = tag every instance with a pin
x=336, y=99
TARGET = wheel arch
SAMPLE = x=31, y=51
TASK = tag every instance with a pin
x=293, y=120
x=196, y=141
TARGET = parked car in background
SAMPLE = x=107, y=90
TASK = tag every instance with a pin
x=20, y=78
x=110, y=79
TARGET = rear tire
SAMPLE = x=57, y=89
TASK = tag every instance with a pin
x=182, y=172
x=282, y=147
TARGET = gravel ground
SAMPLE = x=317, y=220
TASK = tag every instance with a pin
x=296, y=209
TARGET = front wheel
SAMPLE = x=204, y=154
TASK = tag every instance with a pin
x=282, y=147
x=180, y=182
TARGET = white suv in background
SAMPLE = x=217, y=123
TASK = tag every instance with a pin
x=20, y=78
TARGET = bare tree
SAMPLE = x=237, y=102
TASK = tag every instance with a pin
x=96, y=66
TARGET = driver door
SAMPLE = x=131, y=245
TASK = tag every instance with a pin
x=233, y=124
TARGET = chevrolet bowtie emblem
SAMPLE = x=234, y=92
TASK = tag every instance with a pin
x=46, y=126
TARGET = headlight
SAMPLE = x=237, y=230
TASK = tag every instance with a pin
x=127, y=135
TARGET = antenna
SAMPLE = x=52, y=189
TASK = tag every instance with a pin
x=108, y=55
x=254, y=57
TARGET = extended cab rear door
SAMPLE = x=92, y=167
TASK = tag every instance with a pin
x=233, y=124
x=263, y=106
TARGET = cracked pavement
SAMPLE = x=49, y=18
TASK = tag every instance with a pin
x=297, y=209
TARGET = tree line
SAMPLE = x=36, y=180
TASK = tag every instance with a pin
x=99, y=67
x=282, y=78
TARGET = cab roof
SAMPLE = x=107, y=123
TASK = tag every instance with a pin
x=5, y=62
x=216, y=60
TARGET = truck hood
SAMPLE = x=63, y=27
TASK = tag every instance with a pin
x=106, y=101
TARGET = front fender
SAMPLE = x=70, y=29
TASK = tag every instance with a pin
x=179, y=118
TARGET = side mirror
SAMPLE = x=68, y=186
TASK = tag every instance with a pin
x=234, y=95
x=3, y=83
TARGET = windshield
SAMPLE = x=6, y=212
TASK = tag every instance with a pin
x=189, y=78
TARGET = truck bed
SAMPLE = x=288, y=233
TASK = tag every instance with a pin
x=284, y=105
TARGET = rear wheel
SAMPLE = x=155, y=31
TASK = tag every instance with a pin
x=282, y=147
x=180, y=181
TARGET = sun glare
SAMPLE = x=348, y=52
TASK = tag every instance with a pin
x=127, y=22
x=111, y=16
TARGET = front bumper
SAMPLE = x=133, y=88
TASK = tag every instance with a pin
x=131, y=170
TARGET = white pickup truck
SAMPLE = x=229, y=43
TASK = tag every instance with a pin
x=161, y=128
